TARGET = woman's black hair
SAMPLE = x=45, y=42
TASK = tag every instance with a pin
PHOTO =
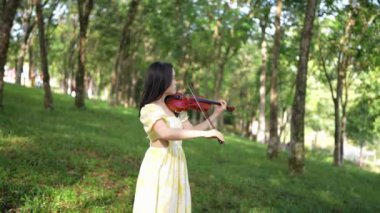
x=159, y=78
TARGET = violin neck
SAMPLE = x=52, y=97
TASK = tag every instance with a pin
x=208, y=101
x=203, y=100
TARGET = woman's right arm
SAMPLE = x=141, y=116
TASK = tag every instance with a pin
x=166, y=133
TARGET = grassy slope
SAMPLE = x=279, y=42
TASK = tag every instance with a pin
x=76, y=160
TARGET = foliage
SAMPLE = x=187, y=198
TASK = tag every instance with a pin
x=206, y=38
x=363, y=123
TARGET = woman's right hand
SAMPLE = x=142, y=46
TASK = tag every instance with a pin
x=213, y=133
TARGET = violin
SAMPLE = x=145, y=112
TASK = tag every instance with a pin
x=180, y=102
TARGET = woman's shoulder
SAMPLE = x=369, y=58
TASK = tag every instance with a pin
x=149, y=108
x=153, y=108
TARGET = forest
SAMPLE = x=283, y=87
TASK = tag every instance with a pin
x=303, y=77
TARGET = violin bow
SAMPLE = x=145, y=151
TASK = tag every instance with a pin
x=203, y=112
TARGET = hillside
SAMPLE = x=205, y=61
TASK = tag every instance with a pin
x=88, y=160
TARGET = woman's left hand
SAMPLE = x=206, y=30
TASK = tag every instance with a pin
x=220, y=108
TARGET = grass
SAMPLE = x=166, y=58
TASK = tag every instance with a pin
x=88, y=160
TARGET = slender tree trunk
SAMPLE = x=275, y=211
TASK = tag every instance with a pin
x=84, y=9
x=219, y=82
x=341, y=122
x=28, y=27
x=338, y=149
x=297, y=153
x=68, y=63
x=8, y=12
x=32, y=73
x=68, y=66
x=315, y=140
x=343, y=133
x=48, y=99
x=361, y=154
x=20, y=61
x=284, y=122
x=49, y=20
x=344, y=58
x=337, y=131
x=72, y=65
x=262, y=124
x=129, y=75
x=223, y=59
x=274, y=139
x=247, y=125
x=123, y=53
x=335, y=98
x=340, y=104
x=220, y=72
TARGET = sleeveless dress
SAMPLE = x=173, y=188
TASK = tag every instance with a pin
x=162, y=184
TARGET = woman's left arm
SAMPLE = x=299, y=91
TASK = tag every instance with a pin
x=205, y=125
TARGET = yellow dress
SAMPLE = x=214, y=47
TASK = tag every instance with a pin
x=163, y=184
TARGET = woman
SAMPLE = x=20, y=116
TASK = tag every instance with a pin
x=163, y=184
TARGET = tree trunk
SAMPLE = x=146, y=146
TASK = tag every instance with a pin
x=223, y=59
x=315, y=140
x=69, y=61
x=8, y=12
x=343, y=135
x=250, y=121
x=343, y=60
x=361, y=154
x=337, y=132
x=274, y=139
x=20, y=61
x=285, y=120
x=48, y=99
x=49, y=20
x=297, y=154
x=84, y=9
x=262, y=125
x=336, y=100
x=220, y=72
x=132, y=89
x=68, y=66
x=123, y=52
x=28, y=27
x=32, y=73
x=342, y=138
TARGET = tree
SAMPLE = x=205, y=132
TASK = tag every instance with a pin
x=297, y=154
x=274, y=139
x=48, y=98
x=84, y=10
x=349, y=51
x=263, y=25
x=361, y=124
x=124, y=54
x=28, y=26
x=8, y=11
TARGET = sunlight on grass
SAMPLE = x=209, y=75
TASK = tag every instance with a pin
x=328, y=197
x=88, y=161
x=10, y=140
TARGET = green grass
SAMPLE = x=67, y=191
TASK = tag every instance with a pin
x=88, y=160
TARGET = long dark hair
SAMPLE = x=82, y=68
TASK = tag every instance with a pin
x=158, y=78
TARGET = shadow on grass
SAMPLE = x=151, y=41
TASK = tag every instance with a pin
x=71, y=148
x=239, y=177
x=96, y=154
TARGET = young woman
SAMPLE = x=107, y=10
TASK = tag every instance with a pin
x=163, y=184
